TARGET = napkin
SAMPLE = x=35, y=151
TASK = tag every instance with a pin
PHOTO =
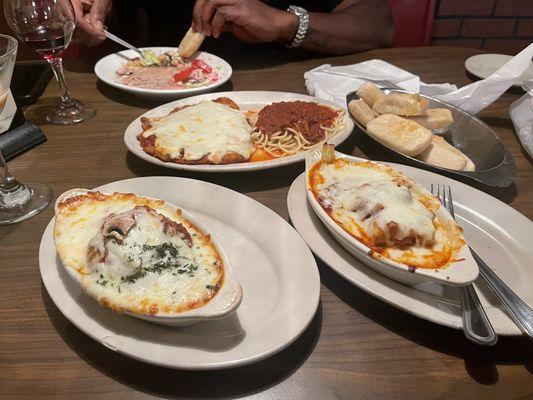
x=7, y=114
x=521, y=112
x=475, y=97
x=333, y=83
x=16, y=135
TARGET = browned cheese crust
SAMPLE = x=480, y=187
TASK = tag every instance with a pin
x=146, y=307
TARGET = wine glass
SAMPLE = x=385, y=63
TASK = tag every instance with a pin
x=47, y=26
x=17, y=201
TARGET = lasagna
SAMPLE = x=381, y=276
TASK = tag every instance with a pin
x=386, y=211
x=135, y=254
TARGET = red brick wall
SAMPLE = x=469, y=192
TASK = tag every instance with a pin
x=500, y=26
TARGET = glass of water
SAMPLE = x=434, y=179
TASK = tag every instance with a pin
x=17, y=201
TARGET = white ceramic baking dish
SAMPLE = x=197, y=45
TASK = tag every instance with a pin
x=458, y=273
x=225, y=302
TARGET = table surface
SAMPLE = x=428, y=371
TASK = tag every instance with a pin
x=356, y=346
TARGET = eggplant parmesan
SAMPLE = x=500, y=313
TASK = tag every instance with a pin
x=210, y=132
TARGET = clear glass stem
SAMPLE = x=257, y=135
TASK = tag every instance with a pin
x=70, y=110
x=8, y=181
x=57, y=67
x=12, y=192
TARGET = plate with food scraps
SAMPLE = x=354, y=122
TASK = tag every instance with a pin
x=427, y=133
x=496, y=231
x=167, y=76
x=236, y=131
x=278, y=303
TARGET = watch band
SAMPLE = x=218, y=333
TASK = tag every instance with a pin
x=303, y=25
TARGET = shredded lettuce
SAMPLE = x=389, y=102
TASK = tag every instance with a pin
x=149, y=58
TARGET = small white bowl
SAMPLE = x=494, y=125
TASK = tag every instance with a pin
x=456, y=274
x=106, y=70
x=225, y=302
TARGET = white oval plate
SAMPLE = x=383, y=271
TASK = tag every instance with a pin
x=278, y=274
x=497, y=232
x=484, y=65
x=106, y=70
x=246, y=100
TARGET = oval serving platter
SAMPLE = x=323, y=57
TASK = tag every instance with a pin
x=247, y=100
x=278, y=303
x=495, y=166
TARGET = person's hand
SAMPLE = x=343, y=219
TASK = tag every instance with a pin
x=249, y=20
x=90, y=18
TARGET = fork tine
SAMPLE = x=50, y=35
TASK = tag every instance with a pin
x=450, y=199
x=432, y=190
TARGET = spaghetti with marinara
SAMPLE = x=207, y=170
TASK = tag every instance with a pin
x=286, y=128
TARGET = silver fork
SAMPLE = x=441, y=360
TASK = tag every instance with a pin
x=476, y=324
x=122, y=42
x=517, y=309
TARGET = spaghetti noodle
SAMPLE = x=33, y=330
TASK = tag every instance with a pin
x=286, y=128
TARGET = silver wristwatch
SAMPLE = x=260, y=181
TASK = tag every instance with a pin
x=303, y=25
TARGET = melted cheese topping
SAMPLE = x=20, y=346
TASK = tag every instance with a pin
x=206, y=129
x=151, y=269
x=377, y=203
x=386, y=211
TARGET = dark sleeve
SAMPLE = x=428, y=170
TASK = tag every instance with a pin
x=309, y=5
x=325, y=5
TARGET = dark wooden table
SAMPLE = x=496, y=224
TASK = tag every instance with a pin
x=357, y=347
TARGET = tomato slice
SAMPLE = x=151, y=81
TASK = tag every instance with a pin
x=201, y=65
x=182, y=75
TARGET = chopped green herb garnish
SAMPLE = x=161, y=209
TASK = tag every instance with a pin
x=162, y=257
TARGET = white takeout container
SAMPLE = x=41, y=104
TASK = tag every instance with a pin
x=225, y=302
x=459, y=273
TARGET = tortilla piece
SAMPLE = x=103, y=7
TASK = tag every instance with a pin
x=190, y=43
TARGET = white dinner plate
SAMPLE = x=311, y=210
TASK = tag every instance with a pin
x=278, y=274
x=498, y=233
x=247, y=100
x=483, y=65
x=106, y=70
